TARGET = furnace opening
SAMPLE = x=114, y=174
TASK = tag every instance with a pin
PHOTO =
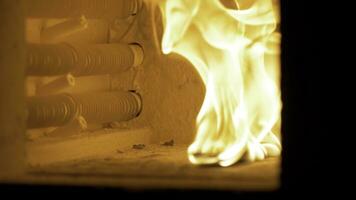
x=153, y=93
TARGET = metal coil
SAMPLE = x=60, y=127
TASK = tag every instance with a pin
x=75, y=8
x=108, y=107
x=59, y=110
x=50, y=111
x=81, y=60
x=49, y=59
x=103, y=59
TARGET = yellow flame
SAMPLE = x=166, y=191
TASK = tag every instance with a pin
x=236, y=52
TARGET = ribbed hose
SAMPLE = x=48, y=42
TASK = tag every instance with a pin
x=108, y=107
x=103, y=59
x=56, y=110
x=50, y=59
x=81, y=60
x=59, y=110
x=76, y=8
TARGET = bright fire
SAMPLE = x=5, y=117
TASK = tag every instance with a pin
x=236, y=52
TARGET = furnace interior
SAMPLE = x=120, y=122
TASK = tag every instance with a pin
x=147, y=147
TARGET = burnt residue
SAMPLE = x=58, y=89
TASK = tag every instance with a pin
x=169, y=143
x=138, y=146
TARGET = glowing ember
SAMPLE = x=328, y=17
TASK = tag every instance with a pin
x=236, y=52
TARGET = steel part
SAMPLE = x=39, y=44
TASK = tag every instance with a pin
x=81, y=60
x=108, y=107
x=50, y=111
x=63, y=29
x=61, y=110
x=75, y=8
x=57, y=85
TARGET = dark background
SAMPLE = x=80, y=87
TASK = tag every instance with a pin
x=302, y=32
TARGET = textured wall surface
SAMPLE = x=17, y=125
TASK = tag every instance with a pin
x=171, y=88
x=12, y=62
